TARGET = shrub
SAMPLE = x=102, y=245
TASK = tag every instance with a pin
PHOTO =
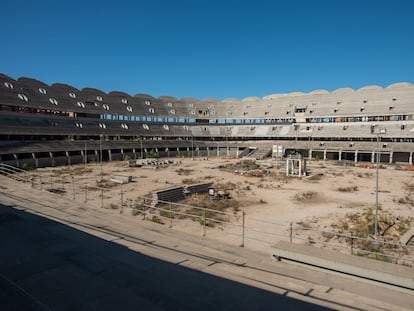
x=348, y=189
x=183, y=171
x=152, y=154
x=189, y=181
x=157, y=220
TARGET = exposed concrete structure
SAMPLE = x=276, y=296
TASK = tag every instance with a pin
x=295, y=166
x=57, y=123
x=348, y=264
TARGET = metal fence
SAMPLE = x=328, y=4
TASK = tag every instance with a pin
x=245, y=230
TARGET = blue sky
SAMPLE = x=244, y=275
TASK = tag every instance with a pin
x=220, y=49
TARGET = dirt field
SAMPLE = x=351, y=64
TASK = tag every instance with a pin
x=321, y=200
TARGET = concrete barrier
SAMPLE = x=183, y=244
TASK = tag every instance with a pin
x=122, y=179
x=407, y=237
x=353, y=265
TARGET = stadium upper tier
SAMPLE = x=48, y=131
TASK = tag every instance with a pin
x=370, y=103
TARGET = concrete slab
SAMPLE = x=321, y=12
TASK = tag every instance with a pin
x=358, y=266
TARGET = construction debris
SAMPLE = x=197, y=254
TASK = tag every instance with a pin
x=121, y=179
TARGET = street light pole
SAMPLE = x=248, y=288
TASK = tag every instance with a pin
x=192, y=147
x=382, y=130
x=100, y=148
x=141, y=149
x=86, y=156
x=376, y=188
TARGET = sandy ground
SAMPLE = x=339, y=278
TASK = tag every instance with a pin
x=270, y=202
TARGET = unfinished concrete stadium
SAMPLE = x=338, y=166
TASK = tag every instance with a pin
x=99, y=194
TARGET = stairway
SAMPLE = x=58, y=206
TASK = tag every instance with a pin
x=261, y=152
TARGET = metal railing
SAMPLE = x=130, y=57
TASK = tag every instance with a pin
x=15, y=173
x=248, y=231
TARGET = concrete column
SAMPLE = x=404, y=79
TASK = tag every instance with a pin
x=287, y=167
x=36, y=160
x=356, y=156
x=237, y=152
x=228, y=151
x=218, y=151
x=373, y=157
x=310, y=154
x=300, y=167
x=208, y=152
x=17, y=160
x=391, y=156
x=324, y=154
x=53, y=159
x=340, y=155
x=68, y=157
x=109, y=155
x=410, y=158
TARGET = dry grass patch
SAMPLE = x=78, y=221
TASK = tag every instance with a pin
x=183, y=171
x=305, y=196
x=189, y=181
x=315, y=177
x=348, y=189
x=364, y=175
x=71, y=170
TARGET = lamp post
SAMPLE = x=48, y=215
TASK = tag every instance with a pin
x=192, y=148
x=86, y=156
x=382, y=130
x=141, y=147
x=100, y=150
x=227, y=147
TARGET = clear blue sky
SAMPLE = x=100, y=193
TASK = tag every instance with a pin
x=220, y=49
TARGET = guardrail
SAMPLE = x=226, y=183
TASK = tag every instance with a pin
x=246, y=229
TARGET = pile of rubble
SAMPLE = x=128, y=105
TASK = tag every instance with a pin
x=153, y=163
x=249, y=167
